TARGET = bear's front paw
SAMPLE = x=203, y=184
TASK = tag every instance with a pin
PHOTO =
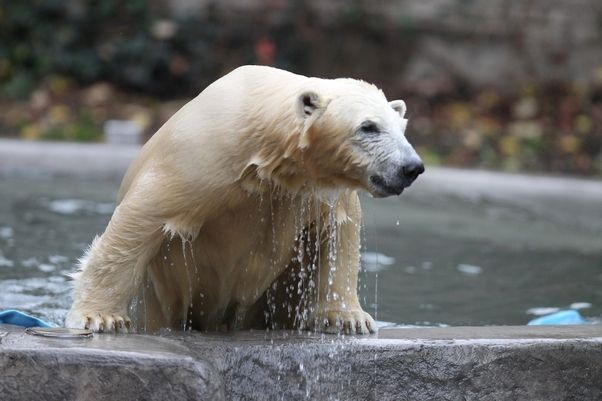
x=354, y=321
x=99, y=322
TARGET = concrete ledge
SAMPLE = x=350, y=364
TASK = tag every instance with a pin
x=90, y=160
x=35, y=368
x=94, y=160
x=472, y=363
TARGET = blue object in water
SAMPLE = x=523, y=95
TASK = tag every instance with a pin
x=562, y=317
x=17, y=318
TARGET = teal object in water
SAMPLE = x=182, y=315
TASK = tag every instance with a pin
x=562, y=317
x=17, y=318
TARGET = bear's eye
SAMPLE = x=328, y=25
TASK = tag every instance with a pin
x=370, y=127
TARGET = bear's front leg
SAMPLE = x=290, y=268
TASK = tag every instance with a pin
x=337, y=306
x=113, y=268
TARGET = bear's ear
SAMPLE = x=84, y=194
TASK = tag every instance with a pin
x=310, y=107
x=308, y=103
x=399, y=106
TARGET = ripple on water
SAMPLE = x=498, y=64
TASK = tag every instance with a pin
x=6, y=232
x=546, y=310
x=470, y=270
x=375, y=262
x=79, y=206
x=5, y=262
x=46, y=267
x=30, y=262
x=56, y=259
x=542, y=310
x=45, y=297
x=580, y=305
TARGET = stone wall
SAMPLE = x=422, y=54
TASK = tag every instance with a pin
x=429, y=43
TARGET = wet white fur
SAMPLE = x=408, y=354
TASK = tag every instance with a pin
x=209, y=212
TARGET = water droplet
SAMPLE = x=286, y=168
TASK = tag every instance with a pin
x=397, y=223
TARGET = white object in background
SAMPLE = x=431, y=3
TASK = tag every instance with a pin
x=122, y=132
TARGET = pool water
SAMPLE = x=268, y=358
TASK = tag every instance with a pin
x=461, y=262
x=431, y=257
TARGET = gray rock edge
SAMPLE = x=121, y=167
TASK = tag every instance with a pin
x=455, y=363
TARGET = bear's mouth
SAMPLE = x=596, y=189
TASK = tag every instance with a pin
x=379, y=187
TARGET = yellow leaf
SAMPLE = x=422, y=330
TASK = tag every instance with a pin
x=458, y=114
x=472, y=139
x=583, y=123
x=59, y=85
x=509, y=146
x=598, y=76
x=569, y=143
x=59, y=114
x=31, y=132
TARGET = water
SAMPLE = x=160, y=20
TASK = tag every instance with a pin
x=44, y=227
x=482, y=260
x=440, y=258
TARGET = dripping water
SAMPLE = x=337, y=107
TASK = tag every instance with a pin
x=187, y=318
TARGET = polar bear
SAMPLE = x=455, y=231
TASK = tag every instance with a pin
x=242, y=210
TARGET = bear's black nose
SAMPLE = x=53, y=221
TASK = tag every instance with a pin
x=399, y=178
x=412, y=170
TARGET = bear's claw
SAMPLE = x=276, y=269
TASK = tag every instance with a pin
x=101, y=322
x=343, y=321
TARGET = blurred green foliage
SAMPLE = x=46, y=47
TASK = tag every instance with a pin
x=553, y=127
x=91, y=40
x=128, y=44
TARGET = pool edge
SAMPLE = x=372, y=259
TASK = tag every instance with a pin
x=495, y=362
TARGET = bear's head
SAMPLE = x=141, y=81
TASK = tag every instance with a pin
x=352, y=136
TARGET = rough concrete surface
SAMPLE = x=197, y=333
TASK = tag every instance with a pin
x=460, y=363
x=102, y=368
